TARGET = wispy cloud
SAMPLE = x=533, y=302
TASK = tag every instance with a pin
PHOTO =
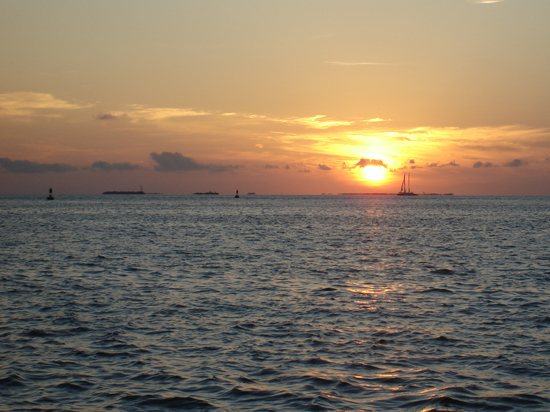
x=176, y=162
x=26, y=166
x=376, y=120
x=319, y=122
x=139, y=112
x=29, y=104
x=314, y=122
x=324, y=167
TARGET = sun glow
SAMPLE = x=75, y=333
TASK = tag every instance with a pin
x=374, y=173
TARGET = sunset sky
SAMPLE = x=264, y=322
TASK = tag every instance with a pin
x=275, y=97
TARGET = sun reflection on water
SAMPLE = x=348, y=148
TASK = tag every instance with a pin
x=370, y=297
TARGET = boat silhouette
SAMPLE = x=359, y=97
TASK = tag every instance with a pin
x=406, y=190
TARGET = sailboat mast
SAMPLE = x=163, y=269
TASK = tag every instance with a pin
x=409, y=189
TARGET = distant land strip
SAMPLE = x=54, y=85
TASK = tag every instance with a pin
x=394, y=194
x=367, y=194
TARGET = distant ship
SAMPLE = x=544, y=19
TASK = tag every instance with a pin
x=251, y=193
x=50, y=196
x=406, y=191
x=125, y=192
x=206, y=193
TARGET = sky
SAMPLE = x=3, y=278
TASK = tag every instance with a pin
x=275, y=97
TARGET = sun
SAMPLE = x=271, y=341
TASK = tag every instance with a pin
x=374, y=173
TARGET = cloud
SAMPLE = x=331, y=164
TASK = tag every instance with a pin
x=324, y=167
x=376, y=120
x=159, y=113
x=399, y=136
x=106, y=116
x=481, y=164
x=176, y=162
x=411, y=161
x=370, y=162
x=516, y=163
x=25, y=166
x=452, y=163
x=287, y=167
x=319, y=122
x=29, y=104
x=314, y=122
x=271, y=167
x=432, y=165
x=114, y=166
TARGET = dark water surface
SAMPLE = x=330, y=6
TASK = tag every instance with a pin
x=275, y=303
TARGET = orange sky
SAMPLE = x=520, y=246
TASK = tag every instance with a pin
x=286, y=97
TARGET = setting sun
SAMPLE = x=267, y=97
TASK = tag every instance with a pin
x=374, y=173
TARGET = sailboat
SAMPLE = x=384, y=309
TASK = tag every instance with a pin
x=406, y=191
x=50, y=196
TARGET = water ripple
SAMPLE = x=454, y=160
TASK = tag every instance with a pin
x=274, y=303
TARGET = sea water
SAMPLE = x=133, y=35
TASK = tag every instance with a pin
x=274, y=303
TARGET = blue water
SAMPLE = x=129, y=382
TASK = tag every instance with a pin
x=274, y=303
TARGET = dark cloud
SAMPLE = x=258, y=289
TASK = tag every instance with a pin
x=271, y=167
x=25, y=166
x=287, y=167
x=324, y=167
x=114, y=166
x=516, y=163
x=106, y=116
x=453, y=163
x=370, y=162
x=345, y=166
x=481, y=164
x=176, y=162
x=411, y=161
x=432, y=165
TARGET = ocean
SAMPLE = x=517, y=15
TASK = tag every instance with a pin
x=274, y=303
